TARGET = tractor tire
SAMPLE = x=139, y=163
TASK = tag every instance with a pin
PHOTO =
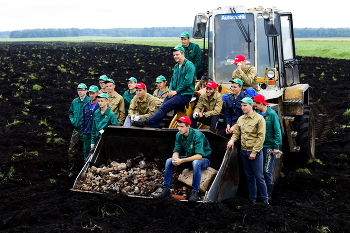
x=305, y=126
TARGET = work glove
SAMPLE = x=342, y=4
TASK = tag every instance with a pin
x=132, y=117
x=136, y=118
x=92, y=146
x=195, y=115
x=101, y=131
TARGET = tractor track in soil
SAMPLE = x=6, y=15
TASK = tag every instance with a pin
x=35, y=131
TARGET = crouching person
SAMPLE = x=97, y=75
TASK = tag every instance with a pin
x=142, y=106
x=208, y=108
x=103, y=117
x=192, y=150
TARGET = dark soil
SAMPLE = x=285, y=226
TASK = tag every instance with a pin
x=35, y=130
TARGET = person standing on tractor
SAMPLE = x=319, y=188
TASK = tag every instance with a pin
x=162, y=91
x=250, y=129
x=103, y=117
x=246, y=73
x=75, y=113
x=130, y=93
x=181, y=89
x=233, y=108
x=87, y=119
x=208, y=108
x=102, y=80
x=142, y=106
x=116, y=101
x=273, y=139
x=192, y=53
x=192, y=150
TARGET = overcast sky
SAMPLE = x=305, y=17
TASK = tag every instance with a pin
x=32, y=14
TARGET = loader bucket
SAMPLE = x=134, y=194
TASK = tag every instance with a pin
x=119, y=143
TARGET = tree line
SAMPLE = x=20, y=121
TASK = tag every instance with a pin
x=154, y=32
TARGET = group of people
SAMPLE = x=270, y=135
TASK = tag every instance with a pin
x=255, y=133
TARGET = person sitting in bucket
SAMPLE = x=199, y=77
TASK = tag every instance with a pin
x=192, y=150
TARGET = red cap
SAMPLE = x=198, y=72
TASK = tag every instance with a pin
x=261, y=99
x=184, y=119
x=211, y=84
x=238, y=59
x=141, y=85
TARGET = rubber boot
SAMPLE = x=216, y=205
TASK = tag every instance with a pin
x=194, y=196
x=269, y=190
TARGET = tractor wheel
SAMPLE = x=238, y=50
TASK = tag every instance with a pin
x=305, y=126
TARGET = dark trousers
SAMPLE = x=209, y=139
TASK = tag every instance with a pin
x=212, y=121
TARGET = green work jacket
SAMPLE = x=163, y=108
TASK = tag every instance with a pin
x=102, y=121
x=76, y=111
x=127, y=99
x=194, y=54
x=194, y=143
x=183, y=79
x=273, y=137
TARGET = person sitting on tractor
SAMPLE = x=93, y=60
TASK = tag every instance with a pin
x=103, y=117
x=130, y=93
x=181, y=89
x=192, y=53
x=233, y=107
x=142, y=106
x=192, y=150
x=208, y=108
x=102, y=80
x=87, y=119
x=162, y=91
x=250, y=130
x=116, y=101
x=273, y=139
x=246, y=73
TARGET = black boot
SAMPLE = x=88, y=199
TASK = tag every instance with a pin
x=194, y=196
x=164, y=193
x=269, y=190
x=141, y=123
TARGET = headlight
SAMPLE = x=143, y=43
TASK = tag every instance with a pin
x=270, y=74
x=265, y=15
x=204, y=18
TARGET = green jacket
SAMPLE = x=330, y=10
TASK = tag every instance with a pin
x=127, y=99
x=194, y=54
x=183, y=79
x=102, y=121
x=273, y=136
x=212, y=106
x=76, y=111
x=194, y=143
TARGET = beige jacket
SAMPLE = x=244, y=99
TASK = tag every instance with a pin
x=212, y=106
x=251, y=130
x=144, y=108
x=116, y=103
x=248, y=76
x=162, y=96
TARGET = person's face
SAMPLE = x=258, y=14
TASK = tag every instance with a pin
x=131, y=85
x=81, y=92
x=110, y=87
x=102, y=102
x=185, y=41
x=258, y=106
x=183, y=128
x=140, y=92
x=161, y=85
x=179, y=56
x=102, y=84
x=246, y=108
x=235, y=88
x=93, y=95
x=242, y=64
x=209, y=91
